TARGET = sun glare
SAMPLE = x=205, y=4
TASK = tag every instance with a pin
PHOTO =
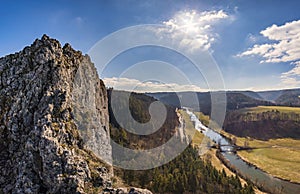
x=187, y=22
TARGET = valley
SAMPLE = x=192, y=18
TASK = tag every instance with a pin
x=264, y=126
x=188, y=172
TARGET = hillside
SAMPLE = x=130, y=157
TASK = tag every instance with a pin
x=288, y=97
x=264, y=122
x=139, y=109
x=235, y=99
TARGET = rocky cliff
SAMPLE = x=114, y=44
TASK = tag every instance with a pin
x=54, y=131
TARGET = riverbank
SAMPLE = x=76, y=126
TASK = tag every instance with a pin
x=277, y=157
x=258, y=187
x=211, y=154
x=258, y=167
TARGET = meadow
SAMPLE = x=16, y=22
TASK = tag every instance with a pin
x=279, y=157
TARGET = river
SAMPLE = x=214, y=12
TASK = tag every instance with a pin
x=257, y=176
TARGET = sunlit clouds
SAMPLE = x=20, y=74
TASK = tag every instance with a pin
x=192, y=29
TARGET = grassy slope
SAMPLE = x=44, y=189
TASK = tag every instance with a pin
x=203, y=118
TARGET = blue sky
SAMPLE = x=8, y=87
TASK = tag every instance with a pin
x=254, y=44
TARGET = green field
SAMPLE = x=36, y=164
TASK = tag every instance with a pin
x=279, y=157
x=281, y=162
x=259, y=109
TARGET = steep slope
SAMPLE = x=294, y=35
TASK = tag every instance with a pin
x=289, y=98
x=41, y=149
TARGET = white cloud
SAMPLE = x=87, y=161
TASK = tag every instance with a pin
x=284, y=47
x=148, y=86
x=192, y=29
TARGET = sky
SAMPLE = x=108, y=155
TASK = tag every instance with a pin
x=169, y=45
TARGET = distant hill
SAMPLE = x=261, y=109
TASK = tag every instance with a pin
x=288, y=97
x=235, y=100
x=270, y=95
x=252, y=94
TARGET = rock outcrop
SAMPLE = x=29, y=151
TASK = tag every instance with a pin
x=53, y=122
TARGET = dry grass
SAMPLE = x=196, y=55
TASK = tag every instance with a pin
x=279, y=157
x=278, y=161
x=198, y=138
x=283, y=109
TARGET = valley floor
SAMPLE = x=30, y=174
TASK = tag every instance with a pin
x=278, y=157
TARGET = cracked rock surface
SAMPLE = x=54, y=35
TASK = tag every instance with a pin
x=47, y=144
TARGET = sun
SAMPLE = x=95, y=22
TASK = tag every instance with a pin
x=187, y=22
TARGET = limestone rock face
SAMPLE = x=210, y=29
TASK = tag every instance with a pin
x=53, y=110
x=90, y=105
